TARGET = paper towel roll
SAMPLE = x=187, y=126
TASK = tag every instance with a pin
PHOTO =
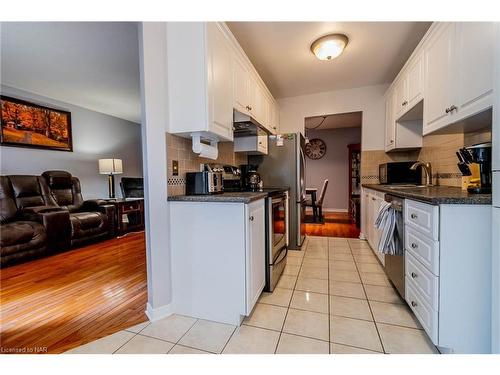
x=205, y=151
x=209, y=152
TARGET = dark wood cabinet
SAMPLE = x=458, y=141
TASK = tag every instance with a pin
x=354, y=182
x=129, y=215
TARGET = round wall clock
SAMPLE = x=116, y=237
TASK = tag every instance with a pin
x=315, y=149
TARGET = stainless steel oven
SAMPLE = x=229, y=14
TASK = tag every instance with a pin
x=395, y=264
x=276, y=237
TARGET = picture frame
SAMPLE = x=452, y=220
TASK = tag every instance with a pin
x=28, y=124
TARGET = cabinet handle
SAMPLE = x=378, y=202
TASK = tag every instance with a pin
x=414, y=245
x=373, y=199
x=413, y=216
x=413, y=275
x=404, y=103
x=413, y=303
x=251, y=218
x=392, y=140
x=274, y=127
x=248, y=108
x=451, y=109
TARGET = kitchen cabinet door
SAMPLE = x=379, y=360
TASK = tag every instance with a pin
x=438, y=61
x=372, y=202
x=276, y=126
x=255, y=253
x=241, y=87
x=390, y=123
x=220, y=82
x=415, y=82
x=401, y=96
x=474, y=77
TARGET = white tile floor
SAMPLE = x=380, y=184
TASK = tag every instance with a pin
x=333, y=298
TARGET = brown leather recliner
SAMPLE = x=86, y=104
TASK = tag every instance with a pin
x=90, y=220
x=31, y=224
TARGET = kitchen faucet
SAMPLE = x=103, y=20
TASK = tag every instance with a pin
x=428, y=171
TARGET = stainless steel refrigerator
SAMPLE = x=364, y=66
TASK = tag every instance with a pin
x=284, y=165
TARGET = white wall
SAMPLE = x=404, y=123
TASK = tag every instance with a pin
x=154, y=94
x=334, y=166
x=370, y=100
x=95, y=136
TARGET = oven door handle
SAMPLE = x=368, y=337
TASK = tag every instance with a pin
x=278, y=261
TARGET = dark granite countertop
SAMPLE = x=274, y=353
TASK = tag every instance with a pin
x=433, y=194
x=228, y=197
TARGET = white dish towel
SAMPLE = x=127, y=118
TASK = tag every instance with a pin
x=386, y=221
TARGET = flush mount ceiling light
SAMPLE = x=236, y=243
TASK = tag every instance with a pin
x=329, y=46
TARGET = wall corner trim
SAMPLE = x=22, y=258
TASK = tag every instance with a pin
x=158, y=313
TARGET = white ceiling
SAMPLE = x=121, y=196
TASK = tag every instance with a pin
x=94, y=65
x=337, y=121
x=280, y=53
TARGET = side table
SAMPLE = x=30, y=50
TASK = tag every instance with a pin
x=129, y=215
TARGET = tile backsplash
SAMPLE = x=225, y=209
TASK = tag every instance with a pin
x=180, y=149
x=438, y=149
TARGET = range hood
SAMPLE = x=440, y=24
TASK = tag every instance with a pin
x=247, y=126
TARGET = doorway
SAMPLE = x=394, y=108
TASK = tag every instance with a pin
x=333, y=180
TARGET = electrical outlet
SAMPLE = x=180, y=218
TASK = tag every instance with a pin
x=175, y=167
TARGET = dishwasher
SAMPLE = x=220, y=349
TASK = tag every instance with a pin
x=395, y=264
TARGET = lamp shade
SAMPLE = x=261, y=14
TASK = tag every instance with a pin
x=110, y=166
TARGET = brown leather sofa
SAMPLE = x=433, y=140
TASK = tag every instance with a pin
x=90, y=220
x=41, y=215
x=31, y=224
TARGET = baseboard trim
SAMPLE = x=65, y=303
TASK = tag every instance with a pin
x=158, y=313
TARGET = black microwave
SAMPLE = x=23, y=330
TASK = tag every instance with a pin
x=399, y=173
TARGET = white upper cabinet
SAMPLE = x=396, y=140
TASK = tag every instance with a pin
x=448, y=78
x=390, y=123
x=220, y=83
x=438, y=78
x=474, y=76
x=241, y=86
x=200, y=80
x=415, y=82
x=401, y=96
x=274, y=120
x=458, y=73
x=208, y=76
x=409, y=88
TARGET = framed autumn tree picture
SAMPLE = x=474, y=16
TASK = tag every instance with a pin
x=26, y=124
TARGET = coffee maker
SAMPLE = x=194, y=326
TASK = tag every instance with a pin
x=251, y=180
x=479, y=155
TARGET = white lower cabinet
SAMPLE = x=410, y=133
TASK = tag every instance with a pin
x=427, y=316
x=373, y=199
x=255, y=254
x=447, y=273
x=218, y=258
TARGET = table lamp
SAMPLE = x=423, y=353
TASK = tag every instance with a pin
x=111, y=167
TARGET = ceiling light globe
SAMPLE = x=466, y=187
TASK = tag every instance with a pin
x=329, y=47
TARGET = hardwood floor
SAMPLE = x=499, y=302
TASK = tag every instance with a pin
x=336, y=225
x=72, y=298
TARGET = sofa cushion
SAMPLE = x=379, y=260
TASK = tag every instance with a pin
x=31, y=191
x=85, y=224
x=8, y=207
x=20, y=236
x=65, y=189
